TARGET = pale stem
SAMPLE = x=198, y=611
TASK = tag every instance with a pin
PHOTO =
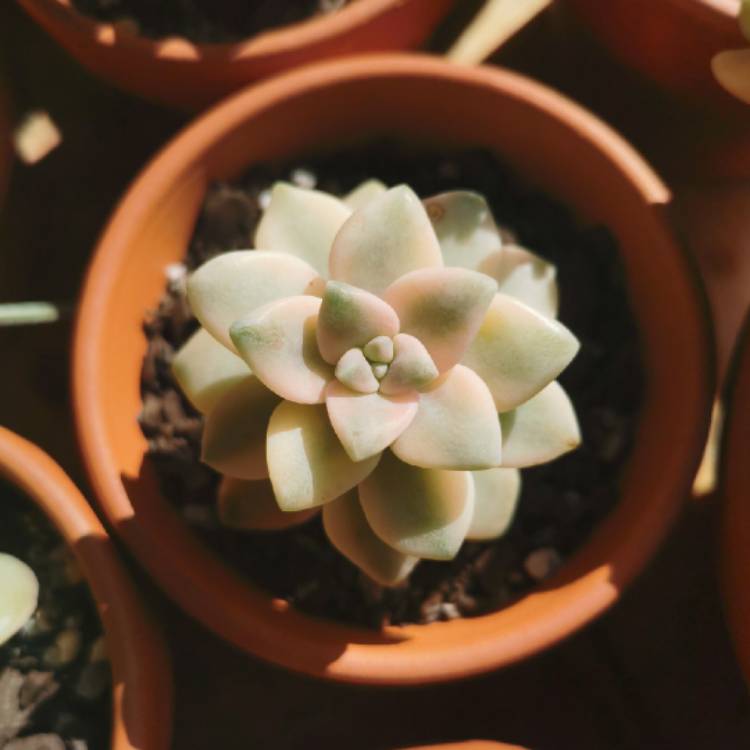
x=495, y=23
x=30, y=313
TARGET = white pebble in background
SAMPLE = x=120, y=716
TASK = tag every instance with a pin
x=542, y=562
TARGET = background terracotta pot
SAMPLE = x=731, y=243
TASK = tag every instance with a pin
x=735, y=548
x=548, y=139
x=671, y=41
x=142, y=682
x=470, y=745
x=180, y=73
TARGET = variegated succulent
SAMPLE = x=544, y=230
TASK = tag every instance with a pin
x=388, y=359
x=19, y=591
x=732, y=67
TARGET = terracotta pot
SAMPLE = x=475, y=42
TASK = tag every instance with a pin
x=548, y=139
x=671, y=41
x=735, y=489
x=142, y=682
x=180, y=73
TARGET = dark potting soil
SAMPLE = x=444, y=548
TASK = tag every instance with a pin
x=206, y=21
x=55, y=684
x=561, y=502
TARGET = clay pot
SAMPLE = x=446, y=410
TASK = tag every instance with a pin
x=470, y=745
x=188, y=75
x=735, y=489
x=142, y=682
x=671, y=41
x=556, y=145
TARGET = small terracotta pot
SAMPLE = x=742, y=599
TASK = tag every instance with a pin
x=141, y=673
x=549, y=140
x=671, y=41
x=189, y=75
x=735, y=490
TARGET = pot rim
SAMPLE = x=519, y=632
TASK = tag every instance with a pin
x=141, y=670
x=586, y=596
x=273, y=42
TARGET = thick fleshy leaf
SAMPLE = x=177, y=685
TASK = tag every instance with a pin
x=232, y=285
x=525, y=277
x=541, y=429
x=279, y=343
x=443, y=308
x=307, y=464
x=384, y=239
x=496, y=494
x=351, y=317
x=732, y=70
x=364, y=193
x=456, y=426
x=518, y=351
x=420, y=512
x=301, y=222
x=412, y=367
x=19, y=591
x=464, y=227
x=234, y=434
x=205, y=370
x=355, y=372
x=366, y=424
x=251, y=506
x=380, y=350
x=347, y=529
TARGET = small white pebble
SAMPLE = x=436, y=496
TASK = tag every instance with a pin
x=304, y=178
x=449, y=611
x=264, y=199
x=542, y=562
x=64, y=650
x=98, y=650
x=175, y=272
x=35, y=137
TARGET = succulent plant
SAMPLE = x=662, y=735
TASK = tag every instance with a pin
x=732, y=67
x=388, y=359
x=19, y=591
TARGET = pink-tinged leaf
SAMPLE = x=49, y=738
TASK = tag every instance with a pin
x=464, y=227
x=517, y=351
x=496, y=493
x=412, y=367
x=303, y=223
x=307, y=464
x=387, y=237
x=364, y=193
x=351, y=317
x=234, y=435
x=525, y=277
x=279, y=343
x=232, y=285
x=541, y=429
x=355, y=372
x=456, y=426
x=367, y=424
x=443, y=308
x=420, y=512
x=348, y=531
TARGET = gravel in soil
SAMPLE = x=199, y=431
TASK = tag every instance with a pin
x=55, y=683
x=561, y=502
x=206, y=21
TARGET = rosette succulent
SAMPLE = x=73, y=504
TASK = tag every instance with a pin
x=388, y=360
x=19, y=591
